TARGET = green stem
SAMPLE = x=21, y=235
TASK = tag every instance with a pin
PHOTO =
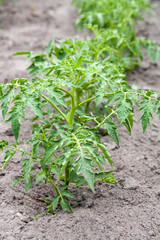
x=100, y=124
x=54, y=186
x=88, y=100
x=67, y=175
x=78, y=96
x=72, y=112
x=48, y=100
x=19, y=150
x=70, y=94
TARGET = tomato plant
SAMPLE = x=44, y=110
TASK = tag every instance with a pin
x=78, y=87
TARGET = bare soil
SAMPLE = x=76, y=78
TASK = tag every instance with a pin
x=129, y=210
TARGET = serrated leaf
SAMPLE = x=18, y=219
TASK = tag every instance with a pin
x=57, y=95
x=100, y=18
x=6, y=101
x=147, y=106
x=15, y=123
x=28, y=183
x=47, y=201
x=127, y=125
x=3, y=144
x=145, y=119
x=16, y=180
x=40, y=176
x=81, y=181
x=49, y=48
x=34, y=106
x=55, y=202
x=102, y=175
x=37, y=216
x=85, y=170
x=73, y=175
x=99, y=98
x=124, y=109
x=112, y=130
x=106, y=153
x=68, y=194
x=110, y=179
x=8, y=155
x=27, y=168
x=49, y=152
x=55, y=169
x=65, y=205
x=153, y=53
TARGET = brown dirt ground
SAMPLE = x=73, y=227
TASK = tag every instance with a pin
x=129, y=210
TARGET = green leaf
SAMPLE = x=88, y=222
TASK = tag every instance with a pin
x=21, y=53
x=59, y=97
x=48, y=201
x=153, y=53
x=34, y=105
x=16, y=180
x=110, y=179
x=103, y=175
x=8, y=155
x=145, y=118
x=112, y=130
x=66, y=206
x=55, y=202
x=27, y=168
x=3, y=144
x=147, y=106
x=99, y=98
x=55, y=169
x=28, y=183
x=40, y=176
x=68, y=194
x=6, y=101
x=37, y=216
x=50, y=151
x=85, y=170
x=106, y=153
x=124, y=109
x=49, y=48
x=81, y=181
x=15, y=123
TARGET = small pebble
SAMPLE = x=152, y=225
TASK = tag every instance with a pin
x=151, y=233
x=131, y=184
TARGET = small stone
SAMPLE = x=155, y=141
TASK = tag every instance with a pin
x=158, y=194
x=90, y=203
x=19, y=215
x=157, y=171
x=153, y=168
x=145, y=65
x=21, y=202
x=151, y=233
x=131, y=184
x=9, y=132
x=155, y=125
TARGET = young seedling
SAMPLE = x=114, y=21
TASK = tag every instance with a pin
x=78, y=88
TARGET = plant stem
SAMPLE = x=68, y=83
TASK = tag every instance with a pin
x=100, y=124
x=67, y=173
x=48, y=100
x=54, y=186
x=71, y=115
x=19, y=150
x=67, y=92
x=88, y=100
